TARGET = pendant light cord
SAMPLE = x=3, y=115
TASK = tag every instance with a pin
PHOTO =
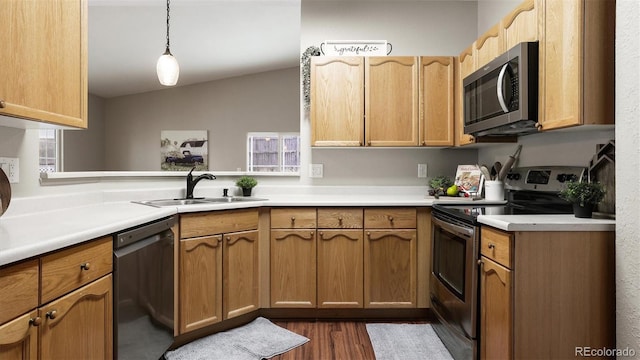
x=168, y=17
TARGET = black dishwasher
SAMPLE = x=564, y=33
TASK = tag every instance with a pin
x=143, y=291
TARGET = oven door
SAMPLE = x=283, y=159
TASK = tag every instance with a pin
x=454, y=275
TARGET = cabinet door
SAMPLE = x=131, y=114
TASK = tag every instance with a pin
x=44, y=57
x=240, y=272
x=200, y=282
x=521, y=24
x=577, y=64
x=390, y=269
x=79, y=325
x=19, y=338
x=488, y=46
x=496, y=314
x=293, y=268
x=20, y=287
x=337, y=101
x=391, y=101
x=437, y=100
x=340, y=269
x=466, y=66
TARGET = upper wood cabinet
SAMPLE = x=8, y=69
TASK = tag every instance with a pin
x=437, y=101
x=466, y=65
x=382, y=101
x=391, y=101
x=44, y=61
x=521, y=24
x=577, y=59
x=488, y=46
x=337, y=101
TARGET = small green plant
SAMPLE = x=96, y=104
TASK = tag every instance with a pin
x=583, y=193
x=246, y=182
x=440, y=183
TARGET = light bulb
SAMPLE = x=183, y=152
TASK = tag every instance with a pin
x=168, y=69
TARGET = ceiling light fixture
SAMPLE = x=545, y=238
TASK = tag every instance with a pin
x=167, y=67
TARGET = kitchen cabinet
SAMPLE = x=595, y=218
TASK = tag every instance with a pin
x=544, y=293
x=371, y=101
x=390, y=268
x=218, y=267
x=437, y=101
x=521, y=24
x=44, y=57
x=391, y=101
x=337, y=101
x=488, y=46
x=466, y=66
x=73, y=317
x=577, y=60
x=293, y=258
x=340, y=258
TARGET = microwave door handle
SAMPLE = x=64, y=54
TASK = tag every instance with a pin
x=499, y=88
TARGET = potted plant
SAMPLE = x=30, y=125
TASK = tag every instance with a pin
x=584, y=196
x=246, y=183
x=439, y=184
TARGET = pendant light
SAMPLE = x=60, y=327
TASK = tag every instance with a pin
x=167, y=67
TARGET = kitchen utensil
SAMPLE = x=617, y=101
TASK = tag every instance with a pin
x=497, y=166
x=485, y=171
x=507, y=165
x=5, y=192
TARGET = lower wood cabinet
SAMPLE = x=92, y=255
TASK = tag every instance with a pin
x=390, y=258
x=218, y=277
x=340, y=269
x=293, y=268
x=545, y=294
x=73, y=320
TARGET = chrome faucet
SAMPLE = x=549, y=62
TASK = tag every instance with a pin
x=191, y=182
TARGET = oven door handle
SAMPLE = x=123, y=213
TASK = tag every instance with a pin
x=466, y=232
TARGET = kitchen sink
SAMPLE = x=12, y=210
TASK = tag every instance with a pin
x=197, y=201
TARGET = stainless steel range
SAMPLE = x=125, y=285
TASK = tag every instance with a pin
x=454, y=285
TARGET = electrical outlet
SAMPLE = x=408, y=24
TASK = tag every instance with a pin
x=10, y=167
x=315, y=170
x=422, y=170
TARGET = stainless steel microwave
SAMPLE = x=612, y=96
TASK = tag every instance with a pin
x=501, y=98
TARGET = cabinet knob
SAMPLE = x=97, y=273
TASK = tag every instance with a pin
x=2, y=104
x=85, y=266
x=538, y=126
x=480, y=262
x=293, y=218
x=36, y=321
x=424, y=143
x=391, y=218
x=369, y=143
x=491, y=246
x=52, y=314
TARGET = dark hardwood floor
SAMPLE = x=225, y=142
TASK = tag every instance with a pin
x=330, y=340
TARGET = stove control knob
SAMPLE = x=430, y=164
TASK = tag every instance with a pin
x=513, y=176
x=561, y=178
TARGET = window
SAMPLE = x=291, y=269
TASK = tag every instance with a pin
x=49, y=150
x=273, y=152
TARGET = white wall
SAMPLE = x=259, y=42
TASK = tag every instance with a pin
x=627, y=175
x=227, y=109
x=491, y=11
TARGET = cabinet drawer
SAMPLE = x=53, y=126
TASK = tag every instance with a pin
x=19, y=284
x=217, y=222
x=293, y=218
x=390, y=218
x=496, y=245
x=69, y=269
x=340, y=218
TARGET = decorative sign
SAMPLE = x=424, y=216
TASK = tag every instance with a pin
x=181, y=150
x=355, y=48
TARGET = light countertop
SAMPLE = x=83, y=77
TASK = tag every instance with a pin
x=35, y=233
